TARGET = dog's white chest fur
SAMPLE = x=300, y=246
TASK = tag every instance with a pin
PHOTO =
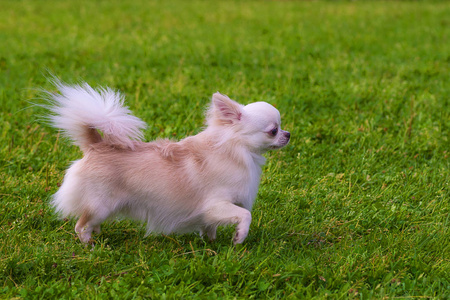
x=249, y=187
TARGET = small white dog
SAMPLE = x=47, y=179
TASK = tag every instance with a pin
x=196, y=184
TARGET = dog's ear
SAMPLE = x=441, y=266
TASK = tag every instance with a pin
x=225, y=110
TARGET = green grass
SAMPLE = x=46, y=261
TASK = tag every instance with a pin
x=357, y=206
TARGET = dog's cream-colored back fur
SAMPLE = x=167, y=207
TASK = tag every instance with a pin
x=196, y=184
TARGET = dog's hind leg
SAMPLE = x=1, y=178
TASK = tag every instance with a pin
x=89, y=222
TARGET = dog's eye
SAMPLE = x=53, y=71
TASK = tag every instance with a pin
x=274, y=131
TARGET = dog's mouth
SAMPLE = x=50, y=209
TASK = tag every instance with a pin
x=283, y=141
x=280, y=145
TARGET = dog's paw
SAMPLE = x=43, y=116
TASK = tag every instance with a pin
x=240, y=236
x=211, y=235
x=84, y=236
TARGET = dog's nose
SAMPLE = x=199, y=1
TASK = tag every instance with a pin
x=287, y=134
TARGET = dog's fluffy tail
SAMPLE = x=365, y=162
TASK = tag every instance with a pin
x=81, y=111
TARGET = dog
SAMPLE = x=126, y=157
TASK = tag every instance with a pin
x=194, y=185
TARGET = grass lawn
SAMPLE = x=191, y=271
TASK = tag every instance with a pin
x=356, y=206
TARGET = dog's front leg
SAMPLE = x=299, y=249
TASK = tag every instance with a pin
x=225, y=213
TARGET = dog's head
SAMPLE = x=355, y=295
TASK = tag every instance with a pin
x=256, y=125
